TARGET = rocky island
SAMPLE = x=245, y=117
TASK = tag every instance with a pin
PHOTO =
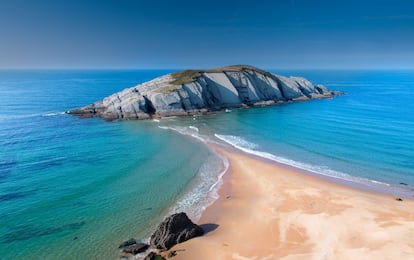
x=191, y=92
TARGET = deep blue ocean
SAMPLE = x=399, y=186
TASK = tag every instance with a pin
x=74, y=188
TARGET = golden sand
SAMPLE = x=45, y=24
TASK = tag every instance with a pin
x=267, y=211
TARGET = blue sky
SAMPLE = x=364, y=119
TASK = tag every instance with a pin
x=200, y=34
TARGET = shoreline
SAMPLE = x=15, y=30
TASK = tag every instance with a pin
x=359, y=183
x=283, y=193
x=380, y=188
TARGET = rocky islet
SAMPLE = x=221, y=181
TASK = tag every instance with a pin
x=192, y=92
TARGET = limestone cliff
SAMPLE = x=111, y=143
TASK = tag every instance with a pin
x=192, y=92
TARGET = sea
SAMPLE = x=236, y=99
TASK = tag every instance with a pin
x=73, y=188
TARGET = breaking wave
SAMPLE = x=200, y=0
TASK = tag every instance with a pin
x=251, y=148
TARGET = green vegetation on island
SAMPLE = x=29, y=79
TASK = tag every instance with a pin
x=185, y=76
x=188, y=76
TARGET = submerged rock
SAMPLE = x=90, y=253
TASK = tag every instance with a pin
x=135, y=248
x=193, y=92
x=173, y=230
x=129, y=242
x=132, y=246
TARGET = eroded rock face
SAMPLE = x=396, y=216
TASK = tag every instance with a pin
x=206, y=90
x=175, y=229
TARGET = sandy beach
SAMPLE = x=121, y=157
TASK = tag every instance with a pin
x=267, y=211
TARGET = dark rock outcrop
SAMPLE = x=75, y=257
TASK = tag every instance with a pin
x=192, y=92
x=173, y=230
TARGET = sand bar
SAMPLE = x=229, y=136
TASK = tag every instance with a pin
x=267, y=211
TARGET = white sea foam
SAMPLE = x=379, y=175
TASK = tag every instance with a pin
x=250, y=148
x=194, y=128
x=204, y=188
x=237, y=142
x=24, y=116
x=214, y=188
x=169, y=117
x=185, y=131
x=53, y=114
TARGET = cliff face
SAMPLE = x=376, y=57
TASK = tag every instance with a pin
x=200, y=91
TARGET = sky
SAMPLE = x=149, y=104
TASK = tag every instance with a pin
x=174, y=34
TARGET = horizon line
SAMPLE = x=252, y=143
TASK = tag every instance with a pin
x=142, y=69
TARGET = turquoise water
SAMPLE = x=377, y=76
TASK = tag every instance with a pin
x=74, y=188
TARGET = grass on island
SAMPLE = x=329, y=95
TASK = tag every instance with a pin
x=188, y=76
x=167, y=90
x=185, y=76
